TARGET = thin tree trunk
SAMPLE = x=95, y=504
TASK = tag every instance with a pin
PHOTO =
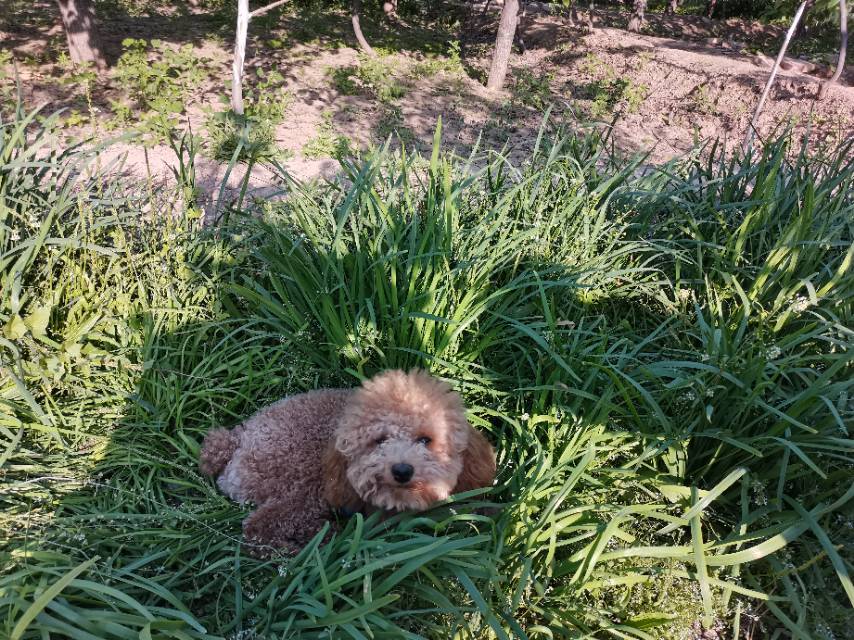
x=243, y=17
x=710, y=8
x=672, y=6
x=503, y=45
x=356, y=9
x=520, y=28
x=84, y=45
x=755, y=120
x=636, y=21
x=390, y=9
x=843, y=48
x=239, y=56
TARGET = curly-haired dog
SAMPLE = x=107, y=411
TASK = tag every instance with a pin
x=399, y=442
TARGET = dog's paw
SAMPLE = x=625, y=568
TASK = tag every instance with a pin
x=279, y=527
x=265, y=540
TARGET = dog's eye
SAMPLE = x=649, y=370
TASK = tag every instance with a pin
x=380, y=440
x=424, y=440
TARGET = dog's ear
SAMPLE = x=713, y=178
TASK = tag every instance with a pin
x=478, y=463
x=337, y=490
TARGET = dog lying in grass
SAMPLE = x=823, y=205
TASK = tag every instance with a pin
x=399, y=442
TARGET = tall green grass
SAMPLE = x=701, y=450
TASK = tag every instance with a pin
x=663, y=362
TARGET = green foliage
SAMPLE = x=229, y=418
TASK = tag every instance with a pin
x=663, y=362
x=253, y=135
x=702, y=100
x=533, y=89
x=159, y=81
x=373, y=75
x=7, y=81
x=610, y=91
x=158, y=76
x=327, y=143
x=391, y=124
x=819, y=11
x=819, y=32
x=267, y=98
x=450, y=63
x=244, y=138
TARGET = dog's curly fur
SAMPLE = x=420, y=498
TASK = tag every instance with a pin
x=308, y=455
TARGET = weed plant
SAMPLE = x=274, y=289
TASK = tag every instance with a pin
x=158, y=80
x=327, y=143
x=251, y=137
x=374, y=76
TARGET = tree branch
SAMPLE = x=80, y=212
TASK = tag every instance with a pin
x=269, y=7
x=755, y=120
x=843, y=46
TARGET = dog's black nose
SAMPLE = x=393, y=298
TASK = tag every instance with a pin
x=402, y=472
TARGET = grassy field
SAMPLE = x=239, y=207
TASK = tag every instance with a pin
x=663, y=362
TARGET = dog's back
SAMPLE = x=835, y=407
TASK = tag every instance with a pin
x=278, y=450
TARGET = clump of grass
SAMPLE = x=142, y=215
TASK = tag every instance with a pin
x=327, y=143
x=244, y=138
x=532, y=89
x=609, y=90
x=391, y=124
x=251, y=136
x=662, y=361
x=375, y=76
x=450, y=63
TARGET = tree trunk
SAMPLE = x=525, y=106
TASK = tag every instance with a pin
x=672, y=6
x=239, y=56
x=636, y=21
x=503, y=45
x=520, y=22
x=390, y=9
x=243, y=17
x=84, y=45
x=710, y=8
x=356, y=9
x=843, y=47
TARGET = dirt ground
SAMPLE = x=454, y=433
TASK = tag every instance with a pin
x=685, y=79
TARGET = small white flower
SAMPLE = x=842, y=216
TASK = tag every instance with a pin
x=688, y=396
x=759, y=496
x=773, y=353
x=525, y=417
x=801, y=303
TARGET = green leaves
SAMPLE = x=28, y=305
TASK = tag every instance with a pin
x=44, y=599
x=15, y=328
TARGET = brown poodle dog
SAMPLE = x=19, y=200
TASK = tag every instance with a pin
x=399, y=442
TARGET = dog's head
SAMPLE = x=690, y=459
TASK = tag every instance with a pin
x=404, y=443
